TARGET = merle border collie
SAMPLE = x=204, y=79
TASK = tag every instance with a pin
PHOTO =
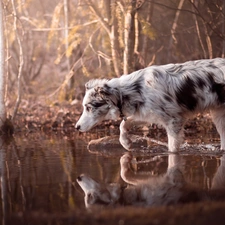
x=167, y=95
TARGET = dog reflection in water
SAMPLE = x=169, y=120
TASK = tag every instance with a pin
x=171, y=188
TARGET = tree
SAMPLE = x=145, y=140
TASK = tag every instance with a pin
x=65, y=43
x=2, y=71
x=129, y=37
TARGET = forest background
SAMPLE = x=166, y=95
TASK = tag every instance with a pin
x=53, y=47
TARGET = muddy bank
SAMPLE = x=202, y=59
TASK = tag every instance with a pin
x=62, y=117
x=209, y=213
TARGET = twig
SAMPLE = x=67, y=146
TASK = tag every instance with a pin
x=158, y=142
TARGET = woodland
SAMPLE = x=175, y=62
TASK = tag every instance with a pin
x=51, y=48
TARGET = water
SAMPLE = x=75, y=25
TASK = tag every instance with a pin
x=38, y=172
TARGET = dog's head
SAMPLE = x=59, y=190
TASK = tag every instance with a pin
x=99, y=103
x=98, y=194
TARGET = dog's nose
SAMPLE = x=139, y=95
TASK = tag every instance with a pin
x=77, y=127
x=79, y=178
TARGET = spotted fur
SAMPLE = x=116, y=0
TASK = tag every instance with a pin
x=167, y=95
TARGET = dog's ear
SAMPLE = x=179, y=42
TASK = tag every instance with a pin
x=102, y=91
x=108, y=93
x=95, y=83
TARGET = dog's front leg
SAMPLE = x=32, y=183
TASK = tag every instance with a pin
x=125, y=141
x=175, y=134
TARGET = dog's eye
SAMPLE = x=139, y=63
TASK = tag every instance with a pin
x=88, y=108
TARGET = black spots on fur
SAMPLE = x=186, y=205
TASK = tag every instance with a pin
x=185, y=95
x=210, y=78
x=168, y=98
x=201, y=83
x=218, y=88
x=136, y=87
x=220, y=91
x=126, y=98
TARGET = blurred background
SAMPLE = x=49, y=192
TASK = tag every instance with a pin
x=53, y=47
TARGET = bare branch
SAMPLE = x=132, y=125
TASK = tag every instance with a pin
x=95, y=10
x=98, y=53
x=205, y=22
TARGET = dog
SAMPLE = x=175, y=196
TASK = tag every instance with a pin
x=167, y=95
x=144, y=190
x=141, y=191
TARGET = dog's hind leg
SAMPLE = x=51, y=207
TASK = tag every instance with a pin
x=218, y=117
x=175, y=134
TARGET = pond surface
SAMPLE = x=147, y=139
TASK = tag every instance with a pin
x=38, y=172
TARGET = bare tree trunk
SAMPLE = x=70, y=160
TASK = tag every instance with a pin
x=208, y=41
x=115, y=50
x=66, y=31
x=19, y=88
x=223, y=31
x=198, y=30
x=114, y=40
x=136, y=27
x=2, y=76
x=173, y=29
x=150, y=9
x=70, y=84
x=129, y=37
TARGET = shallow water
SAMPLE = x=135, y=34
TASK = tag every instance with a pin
x=38, y=172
